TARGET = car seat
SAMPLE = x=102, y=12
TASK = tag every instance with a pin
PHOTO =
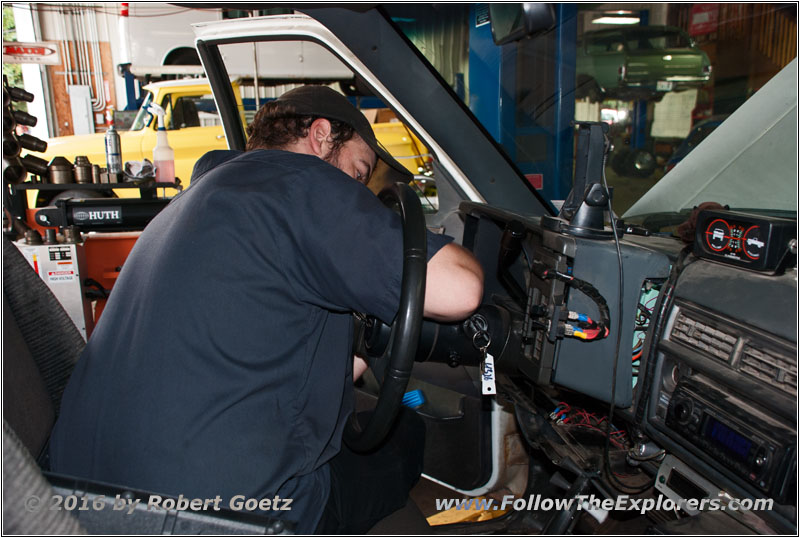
x=40, y=348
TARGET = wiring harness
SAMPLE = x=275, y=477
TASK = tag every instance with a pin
x=576, y=324
x=566, y=415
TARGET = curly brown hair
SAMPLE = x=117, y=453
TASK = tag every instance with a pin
x=277, y=125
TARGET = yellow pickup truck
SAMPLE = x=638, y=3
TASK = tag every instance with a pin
x=195, y=128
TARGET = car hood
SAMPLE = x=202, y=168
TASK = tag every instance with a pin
x=74, y=140
x=750, y=161
x=90, y=145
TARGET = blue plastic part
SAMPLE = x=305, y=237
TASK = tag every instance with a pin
x=413, y=399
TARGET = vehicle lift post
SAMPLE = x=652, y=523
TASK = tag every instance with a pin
x=493, y=81
x=639, y=120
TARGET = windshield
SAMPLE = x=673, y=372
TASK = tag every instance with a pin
x=143, y=117
x=528, y=93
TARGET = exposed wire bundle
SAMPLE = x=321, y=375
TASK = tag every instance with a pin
x=564, y=414
x=637, y=350
x=644, y=312
x=585, y=328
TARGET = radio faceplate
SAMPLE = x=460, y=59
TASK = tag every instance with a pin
x=732, y=436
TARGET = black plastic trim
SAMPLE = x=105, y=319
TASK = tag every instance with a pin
x=223, y=94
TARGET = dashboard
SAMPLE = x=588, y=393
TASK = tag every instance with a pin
x=725, y=379
x=695, y=346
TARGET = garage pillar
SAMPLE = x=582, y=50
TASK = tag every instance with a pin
x=524, y=95
x=492, y=78
x=639, y=124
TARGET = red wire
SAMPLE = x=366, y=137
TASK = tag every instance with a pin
x=591, y=334
x=617, y=443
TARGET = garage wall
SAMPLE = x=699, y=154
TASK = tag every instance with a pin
x=439, y=32
x=87, y=59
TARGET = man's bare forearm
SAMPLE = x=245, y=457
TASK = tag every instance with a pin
x=454, y=286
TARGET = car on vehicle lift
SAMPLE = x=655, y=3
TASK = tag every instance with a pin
x=638, y=62
x=689, y=352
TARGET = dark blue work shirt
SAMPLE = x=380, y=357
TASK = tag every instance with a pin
x=222, y=363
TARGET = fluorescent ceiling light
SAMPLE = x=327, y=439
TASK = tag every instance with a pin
x=616, y=20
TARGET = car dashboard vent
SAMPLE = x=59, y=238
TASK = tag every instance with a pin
x=701, y=336
x=773, y=368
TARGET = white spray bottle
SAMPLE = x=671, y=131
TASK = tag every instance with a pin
x=163, y=155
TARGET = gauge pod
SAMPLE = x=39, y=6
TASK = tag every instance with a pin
x=755, y=242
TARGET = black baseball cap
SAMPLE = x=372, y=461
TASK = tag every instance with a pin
x=316, y=100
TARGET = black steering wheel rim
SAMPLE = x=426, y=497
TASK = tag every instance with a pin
x=407, y=325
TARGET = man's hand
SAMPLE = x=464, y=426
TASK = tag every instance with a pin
x=359, y=367
x=454, y=286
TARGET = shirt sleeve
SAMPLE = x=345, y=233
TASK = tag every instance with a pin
x=344, y=248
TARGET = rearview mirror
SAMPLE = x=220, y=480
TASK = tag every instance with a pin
x=512, y=22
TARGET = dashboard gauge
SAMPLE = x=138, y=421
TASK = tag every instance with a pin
x=754, y=243
x=751, y=241
x=735, y=244
x=718, y=235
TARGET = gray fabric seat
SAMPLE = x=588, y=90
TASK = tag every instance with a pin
x=27, y=407
x=23, y=484
x=52, y=340
x=40, y=348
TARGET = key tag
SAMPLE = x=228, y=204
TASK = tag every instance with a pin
x=488, y=386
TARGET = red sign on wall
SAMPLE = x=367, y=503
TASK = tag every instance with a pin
x=703, y=19
x=44, y=52
x=537, y=180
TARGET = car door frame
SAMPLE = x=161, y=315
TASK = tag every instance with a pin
x=211, y=35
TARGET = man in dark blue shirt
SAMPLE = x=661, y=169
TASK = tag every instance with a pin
x=222, y=363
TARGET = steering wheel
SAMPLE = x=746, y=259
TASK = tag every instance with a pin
x=392, y=363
